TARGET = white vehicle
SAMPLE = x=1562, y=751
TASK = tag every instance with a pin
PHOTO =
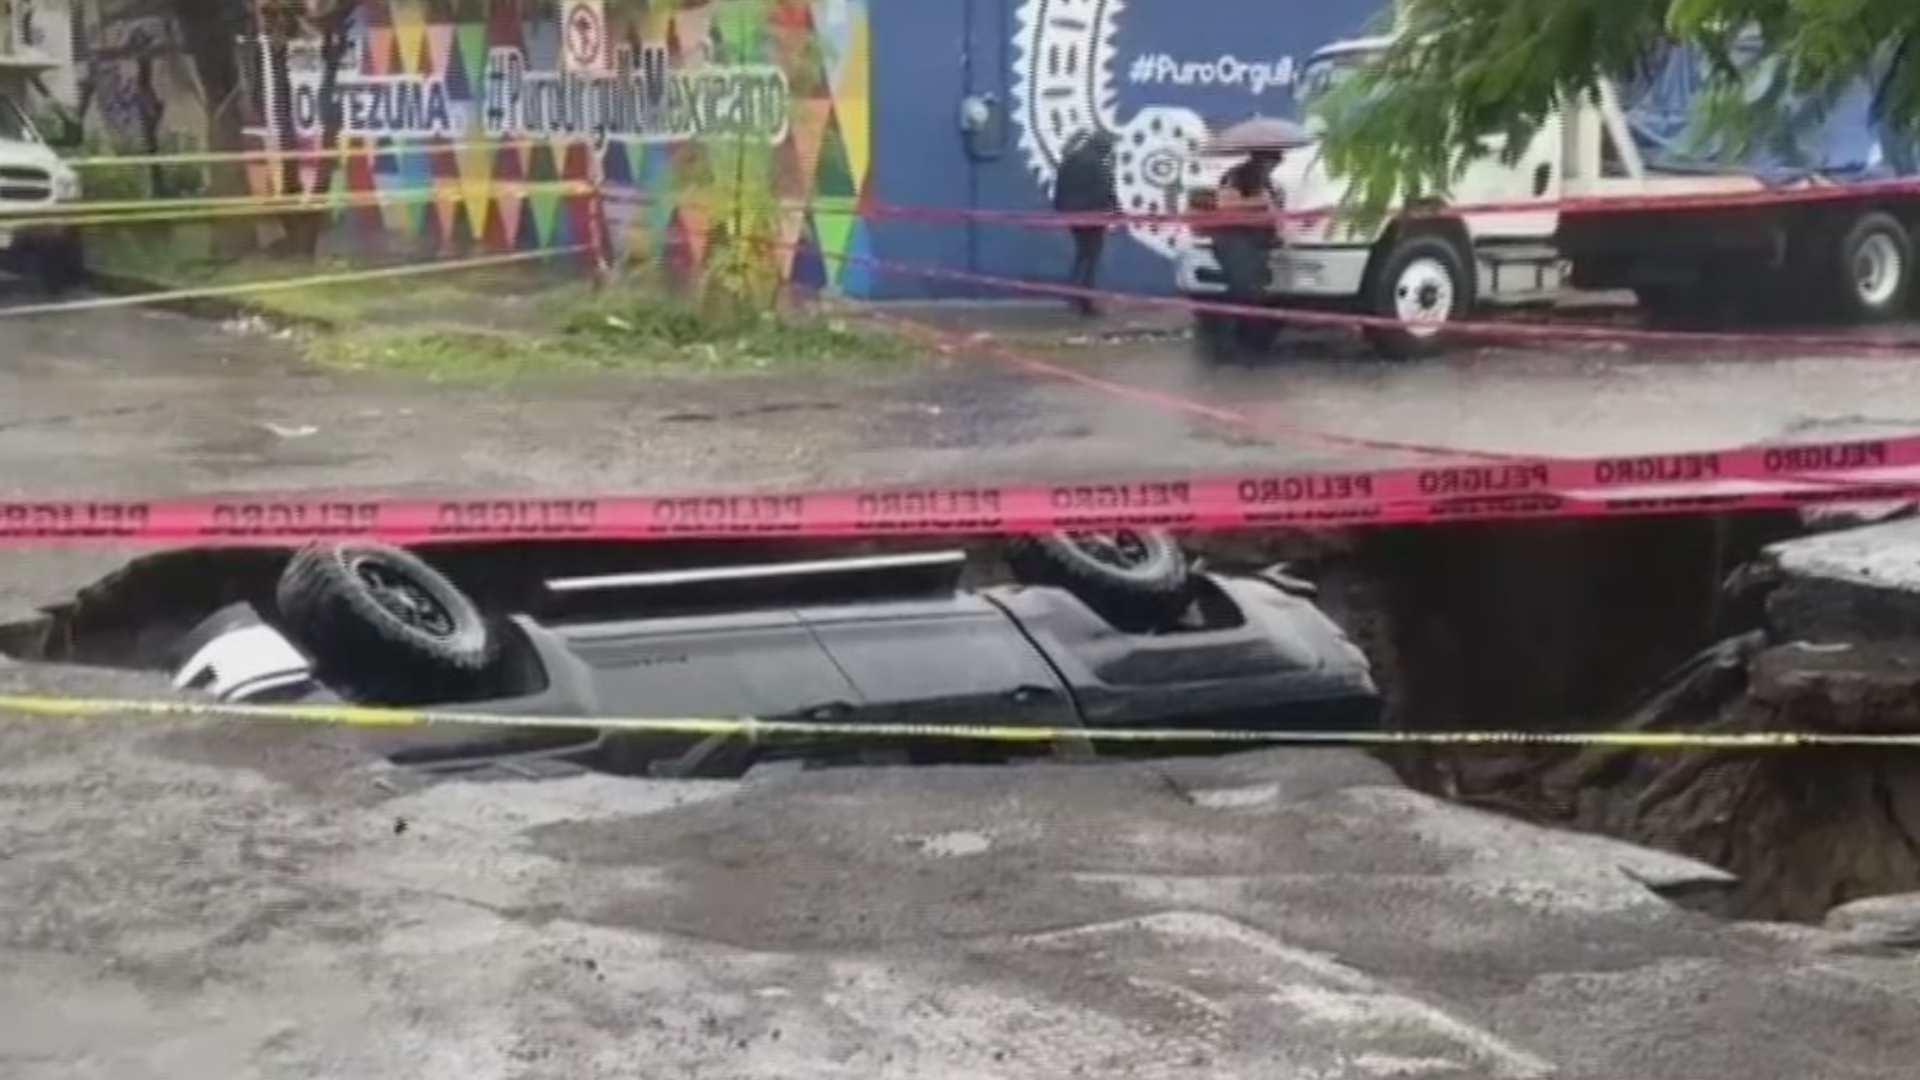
x=33, y=179
x=1437, y=266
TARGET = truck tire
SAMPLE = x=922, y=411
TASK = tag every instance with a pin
x=1424, y=278
x=379, y=620
x=1132, y=577
x=1871, y=268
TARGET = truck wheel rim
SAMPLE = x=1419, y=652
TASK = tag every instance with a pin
x=403, y=598
x=1122, y=550
x=1423, y=297
x=1876, y=269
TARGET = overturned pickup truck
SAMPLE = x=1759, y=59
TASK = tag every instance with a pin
x=1100, y=629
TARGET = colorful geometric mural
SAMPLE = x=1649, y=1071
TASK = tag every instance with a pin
x=802, y=188
x=477, y=129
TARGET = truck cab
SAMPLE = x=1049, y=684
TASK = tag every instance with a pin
x=33, y=181
x=1423, y=268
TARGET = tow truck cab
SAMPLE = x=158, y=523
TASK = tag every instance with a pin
x=1428, y=268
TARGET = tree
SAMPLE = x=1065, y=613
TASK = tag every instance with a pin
x=1464, y=70
x=211, y=32
x=281, y=21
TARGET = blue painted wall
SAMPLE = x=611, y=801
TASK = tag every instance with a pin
x=1170, y=66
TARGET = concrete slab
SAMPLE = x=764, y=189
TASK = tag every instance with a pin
x=1858, y=584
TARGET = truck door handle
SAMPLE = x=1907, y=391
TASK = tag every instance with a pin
x=1027, y=695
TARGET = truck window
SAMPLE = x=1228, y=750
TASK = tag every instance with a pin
x=1323, y=74
x=13, y=123
x=1611, y=161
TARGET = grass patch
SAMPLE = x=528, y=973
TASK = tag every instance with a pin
x=445, y=353
x=619, y=333
x=506, y=322
x=348, y=303
x=726, y=335
x=176, y=260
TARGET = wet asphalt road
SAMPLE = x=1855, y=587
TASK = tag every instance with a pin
x=136, y=402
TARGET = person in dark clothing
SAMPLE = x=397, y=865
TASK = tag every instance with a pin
x=1253, y=178
x=1244, y=251
x=1085, y=186
x=1243, y=248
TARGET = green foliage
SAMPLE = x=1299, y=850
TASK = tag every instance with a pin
x=1464, y=71
x=742, y=25
x=637, y=332
x=661, y=329
x=742, y=270
x=135, y=180
x=169, y=255
x=741, y=274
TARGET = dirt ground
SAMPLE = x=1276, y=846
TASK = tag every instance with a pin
x=260, y=901
x=216, y=900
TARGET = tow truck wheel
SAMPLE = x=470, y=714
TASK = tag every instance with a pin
x=1874, y=274
x=1422, y=281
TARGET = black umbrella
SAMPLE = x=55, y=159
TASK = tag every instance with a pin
x=1259, y=133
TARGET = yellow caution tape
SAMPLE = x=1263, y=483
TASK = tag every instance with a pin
x=188, y=214
x=341, y=152
x=276, y=157
x=39, y=211
x=84, y=708
x=279, y=284
x=186, y=210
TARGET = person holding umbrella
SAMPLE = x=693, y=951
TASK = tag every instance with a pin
x=1247, y=190
x=1244, y=247
x=1085, y=186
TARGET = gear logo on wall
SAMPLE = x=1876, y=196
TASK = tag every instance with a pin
x=1063, y=84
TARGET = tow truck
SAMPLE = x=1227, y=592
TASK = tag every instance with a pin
x=1574, y=209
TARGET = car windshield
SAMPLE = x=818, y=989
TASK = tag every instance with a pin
x=959, y=540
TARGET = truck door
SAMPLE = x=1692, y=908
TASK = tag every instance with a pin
x=1529, y=189
x=957, y=660
x=764, y=664
x=1514, y=251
